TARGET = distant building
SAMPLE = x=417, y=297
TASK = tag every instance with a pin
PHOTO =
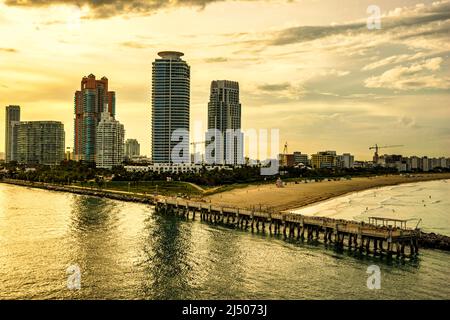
x=110, y=142
x=391, y=161
x=68, y=156
x=90, y=102
x=224, y=116
x=425, y=164
x=300, y=158
x=345, y=161
x=40, y=142
x=324, y=159
x=415, y=163
x=176, y=168
x=363, y=164
x=286, y=160
x=170, y=107
x=141, y=160
x=132, y=149
x=12, y=117
x=437, y=163
x=442, y=162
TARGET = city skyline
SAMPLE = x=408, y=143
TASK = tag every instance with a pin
x=326, y=82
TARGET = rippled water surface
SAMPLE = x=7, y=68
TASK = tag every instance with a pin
x=124, y=251
x=428, y=201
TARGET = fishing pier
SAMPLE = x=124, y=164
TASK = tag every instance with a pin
x=380, y=237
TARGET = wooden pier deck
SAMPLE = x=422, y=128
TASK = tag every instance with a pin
x=378, y=240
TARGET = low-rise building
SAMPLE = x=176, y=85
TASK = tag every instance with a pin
x=176, y=168
x=324, y=159
x=300, y=158
x=286, y=160
x=345, y=161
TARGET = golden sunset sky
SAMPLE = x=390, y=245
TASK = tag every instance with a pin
x=310, y=68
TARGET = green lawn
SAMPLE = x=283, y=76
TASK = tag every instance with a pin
x=174, y=188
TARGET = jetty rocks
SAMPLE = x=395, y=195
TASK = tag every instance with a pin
x=434, y=241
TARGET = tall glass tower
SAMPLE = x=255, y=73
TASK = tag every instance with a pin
x=170, y=107
x=12, y=117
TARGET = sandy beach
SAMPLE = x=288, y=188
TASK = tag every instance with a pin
x=294, y=196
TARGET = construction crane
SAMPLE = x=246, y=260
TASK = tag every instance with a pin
x=376, y=147
x=285, y=150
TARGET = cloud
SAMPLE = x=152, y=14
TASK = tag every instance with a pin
x=216, y=60
x=393, y=60
x=334, y=72
x=275, y=87
x=309, y=33
x=411, y=77
x=273, y=93
x=408, y=22
x=135, y=45
x=110, y=8
x=10, y=50
x=408, y=122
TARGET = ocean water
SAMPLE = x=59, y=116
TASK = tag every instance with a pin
x=425, y=204
x=125, y=251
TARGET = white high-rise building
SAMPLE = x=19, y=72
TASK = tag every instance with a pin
x=110, y=142
x=170, y=108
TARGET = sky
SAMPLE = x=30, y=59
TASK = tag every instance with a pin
x=312, y=69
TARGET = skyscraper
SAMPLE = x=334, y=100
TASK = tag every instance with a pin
x=110, y=145
x=90, y=102
x=132, y=148
x=40, y=142
x=170, y=107
x=12, y=117
x=224, y=115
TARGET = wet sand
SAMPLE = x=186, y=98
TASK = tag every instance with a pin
x=294, y=196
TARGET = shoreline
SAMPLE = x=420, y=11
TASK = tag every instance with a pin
x=109, y=194
x=301, y=195
x=357, y=191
